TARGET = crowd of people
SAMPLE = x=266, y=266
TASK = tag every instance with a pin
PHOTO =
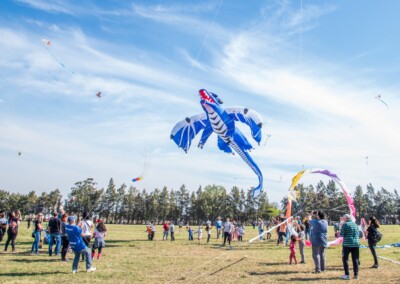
x=62, y=233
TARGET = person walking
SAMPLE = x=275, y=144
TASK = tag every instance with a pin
x=78, y=246
x=228, y=227
x=55, y=234
x=12, y=231
x=351, y=245
x=372, y=231
x=37, y=232
x=319, y=234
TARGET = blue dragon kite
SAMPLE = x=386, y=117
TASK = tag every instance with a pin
x=222, y=122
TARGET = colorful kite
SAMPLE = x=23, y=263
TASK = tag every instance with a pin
x=146, y=167
x=98, y=95
x=379, y=97
x=293, y=193
x=48, y=44
x=222, y=122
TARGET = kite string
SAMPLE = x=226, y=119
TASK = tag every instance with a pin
x=388, y=259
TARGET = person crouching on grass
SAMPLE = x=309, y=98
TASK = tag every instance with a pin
x=98, y=235
x=77, y=245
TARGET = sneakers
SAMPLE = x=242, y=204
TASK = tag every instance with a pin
x=355, y=276
x=74, y=271
x=91, y=269
x=375, y=266
x=345, y=277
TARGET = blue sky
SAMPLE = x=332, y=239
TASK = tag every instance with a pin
x=312, y=69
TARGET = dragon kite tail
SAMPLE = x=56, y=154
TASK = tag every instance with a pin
x=249, y=161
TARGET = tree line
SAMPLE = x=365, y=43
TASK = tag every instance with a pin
x=129, y=205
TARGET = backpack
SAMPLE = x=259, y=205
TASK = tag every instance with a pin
x=376, y=236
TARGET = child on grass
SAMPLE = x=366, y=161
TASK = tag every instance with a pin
x=293, y=240
x=199, y=233
x=241, y=232
x=98, y=235
x=301, y=240
x=148, y=230
x=190, y=231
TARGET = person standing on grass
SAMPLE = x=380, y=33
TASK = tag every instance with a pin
x=74, y=234
x=319, y=241
x=153, y=230
x=241, y=232
x=307, y=228
x=55, y=237
x=260, y=225
x=208, y=229
x=86, y=225
x=190, y=231
x=292, y=248
x=351, y=245
x=166, y=231
x=98, y=235
x=371, y=232
x=12, y=231
x=302, y=244
x=218, y=226
x=199, y=233
x=227, y=232
x=3, y=225
x=37, y=231
x=172, y=230
x=64, y=237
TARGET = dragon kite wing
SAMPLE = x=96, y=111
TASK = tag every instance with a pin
x=249, y=117
x=185, y=130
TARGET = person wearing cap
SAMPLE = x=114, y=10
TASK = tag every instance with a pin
x=37, y=230
x=77, y=245
x=351, y=245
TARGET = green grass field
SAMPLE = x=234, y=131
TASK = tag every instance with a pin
x=129, y=258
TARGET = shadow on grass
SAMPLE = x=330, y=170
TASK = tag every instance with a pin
x=35, y=260
x=313, y=279
x=22, y=274
x=254, y=273
x=272, y=263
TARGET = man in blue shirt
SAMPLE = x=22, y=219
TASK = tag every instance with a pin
x=319, y=240
x=78, y=246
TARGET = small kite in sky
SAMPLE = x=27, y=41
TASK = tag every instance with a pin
x=19, y=154
x=366, y=160
x=379, y=97
x=98, y=95
x=266, y=140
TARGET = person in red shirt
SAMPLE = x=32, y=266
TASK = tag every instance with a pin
x=166, y=231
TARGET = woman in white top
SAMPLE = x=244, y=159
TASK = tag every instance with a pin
x=86, y=225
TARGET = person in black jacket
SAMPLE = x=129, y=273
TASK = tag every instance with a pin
x=55, y=234
x=371, y=232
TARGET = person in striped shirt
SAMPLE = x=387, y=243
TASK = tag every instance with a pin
x=351, y=245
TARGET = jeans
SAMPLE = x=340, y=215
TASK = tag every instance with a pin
x=301, y=247
x=308, y=233
x=318, y=254
x=190, y=236
x=88, y=256
x=165, y=236
x=35, y=245
x=355, y=252
x=172, y=236
x=260, y=231
x=10, y=237
x=287, y=237
x=57, y=239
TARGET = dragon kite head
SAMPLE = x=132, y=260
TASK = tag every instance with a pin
x=208, y=97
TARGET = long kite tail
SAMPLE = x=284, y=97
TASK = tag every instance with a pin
x=249, y=161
